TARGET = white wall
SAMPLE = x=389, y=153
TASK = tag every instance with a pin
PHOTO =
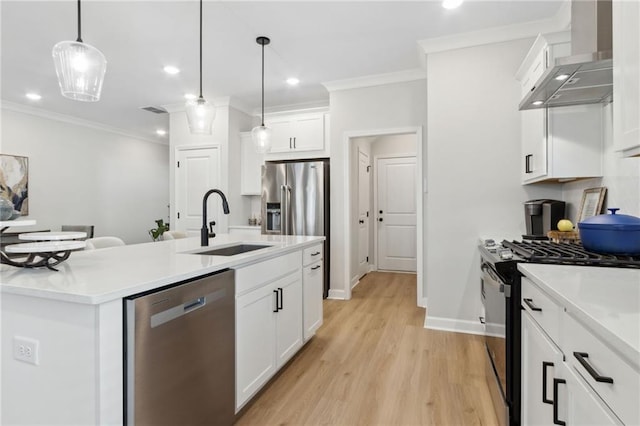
x=473, y=173
x=621, y=178
x=367, y=109
x=80, y=175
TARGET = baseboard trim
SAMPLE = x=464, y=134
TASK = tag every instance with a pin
x=337, y=294
x=354, y=282
x=457, y=326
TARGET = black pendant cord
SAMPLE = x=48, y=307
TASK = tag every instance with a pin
x=200, y=49
x=79, y=40
x=262, y=84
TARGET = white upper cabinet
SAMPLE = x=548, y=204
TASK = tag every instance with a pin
x=626, y=77
x=298, y=135
x=561, y=143
x=250, y=166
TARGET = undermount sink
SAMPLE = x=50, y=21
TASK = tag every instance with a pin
x=233, y=250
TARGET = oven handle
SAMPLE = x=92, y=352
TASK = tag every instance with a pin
x=494, y=281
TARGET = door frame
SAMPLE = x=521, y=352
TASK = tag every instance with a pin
x=348, y=244
x=370, y=265
x=375, y=201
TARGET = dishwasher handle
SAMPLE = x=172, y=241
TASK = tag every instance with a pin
x=195, y=304
x=185, y=308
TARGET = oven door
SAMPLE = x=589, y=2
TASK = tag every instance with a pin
x=496, y=297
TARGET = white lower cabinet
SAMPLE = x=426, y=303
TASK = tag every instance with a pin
x=312, y=282
x=540, y=360
x=558, y=390
x=270, y=299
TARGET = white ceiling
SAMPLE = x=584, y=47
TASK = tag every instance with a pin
x=317, y=42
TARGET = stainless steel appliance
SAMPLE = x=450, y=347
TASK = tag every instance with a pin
x=500, y=288
x=295, y=201
x=180, y=353
x=542, y=216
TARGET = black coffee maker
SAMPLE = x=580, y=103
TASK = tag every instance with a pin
x=542, y=216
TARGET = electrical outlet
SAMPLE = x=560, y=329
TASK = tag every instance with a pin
x=25, y=349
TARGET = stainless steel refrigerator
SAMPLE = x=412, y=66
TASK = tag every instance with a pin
x=295, y=201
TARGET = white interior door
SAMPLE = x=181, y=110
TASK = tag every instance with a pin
x=396, y=213
x=363, y=213
x=198, y=170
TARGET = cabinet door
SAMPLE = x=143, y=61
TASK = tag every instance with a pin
x=289, y=317
x=255, y=341
x=250, y=167
x=312, y=298
x=534, y=144
x=540, y=362
x=626, y=76
x=578, y=404
x=281, y=136
x=308, y=133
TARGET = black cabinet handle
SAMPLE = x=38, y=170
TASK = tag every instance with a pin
x=277, y=308
x=315, y=254
x=581, y=357
x=294, y=143
x=557, y=421
x=529, y=303
x=281, y=299
x=527, y=163
x=545, y=364
x=315, y=267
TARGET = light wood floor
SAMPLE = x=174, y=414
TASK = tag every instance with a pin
x=373, y=363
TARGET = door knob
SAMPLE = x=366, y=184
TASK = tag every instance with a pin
x=361, y=221
x=379, y=219
x=380, y=211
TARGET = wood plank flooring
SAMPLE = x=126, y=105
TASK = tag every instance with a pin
x=374, y=363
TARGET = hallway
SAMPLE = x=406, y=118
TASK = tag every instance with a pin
x=373, y=363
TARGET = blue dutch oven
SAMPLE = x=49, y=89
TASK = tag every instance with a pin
x=611, y=233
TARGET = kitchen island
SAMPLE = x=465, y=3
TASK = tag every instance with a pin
x=72, y=319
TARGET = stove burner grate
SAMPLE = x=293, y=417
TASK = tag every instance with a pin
x=568, y=254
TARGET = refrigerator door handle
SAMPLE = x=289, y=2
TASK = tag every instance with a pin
x=288, y=230
x=284, y=216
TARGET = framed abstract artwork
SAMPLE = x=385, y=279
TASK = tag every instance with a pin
x=14, y=181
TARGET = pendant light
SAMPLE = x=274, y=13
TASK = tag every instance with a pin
x=200, y=113
x=261, y=135
x=80, y=68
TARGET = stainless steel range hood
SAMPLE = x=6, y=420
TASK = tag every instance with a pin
x=585, y=77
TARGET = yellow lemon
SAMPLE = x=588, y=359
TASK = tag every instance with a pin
x=565, y=225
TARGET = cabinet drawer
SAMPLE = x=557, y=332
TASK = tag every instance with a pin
x=622, y=394
x=263, y=273
x=542, y=309
x=312, y=254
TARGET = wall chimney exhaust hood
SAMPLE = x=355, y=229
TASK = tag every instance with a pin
x=585, y=77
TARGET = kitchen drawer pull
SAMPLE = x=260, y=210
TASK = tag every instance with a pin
x=527, y=163
x=315, y=254
x=277, y=308
x=315, y=267
x=557, y=421
x=581, y=357
x=545, y=364
x=529, y=303
x=280, y=307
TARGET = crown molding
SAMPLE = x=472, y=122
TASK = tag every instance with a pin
x=376, y=80
x=219, y=102
x=561, y=21
x=312, y=106
x=39, y=112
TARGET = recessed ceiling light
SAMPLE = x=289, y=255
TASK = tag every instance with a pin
x=538, y=102
x=292, y=81
x=451, y=4
x=161, y=132
x=170, y=69
x=189, y=96
x=33, y=96
x=562, y=77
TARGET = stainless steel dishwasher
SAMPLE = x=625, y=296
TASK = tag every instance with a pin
x=180, y=354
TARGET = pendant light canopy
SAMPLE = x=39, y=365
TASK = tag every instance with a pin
x=200, y=113
x=80, y=68
x=261, y=135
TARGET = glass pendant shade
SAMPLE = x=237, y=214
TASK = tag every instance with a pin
x=80, y=68
x=200, y=116
x=261, y=137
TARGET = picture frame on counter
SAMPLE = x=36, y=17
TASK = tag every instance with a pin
x=592, y=202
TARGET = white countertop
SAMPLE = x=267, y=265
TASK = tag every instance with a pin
x=606, y=300
x=98, y=276
x=253, y=227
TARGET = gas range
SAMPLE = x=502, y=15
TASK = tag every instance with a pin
x=552, y=253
